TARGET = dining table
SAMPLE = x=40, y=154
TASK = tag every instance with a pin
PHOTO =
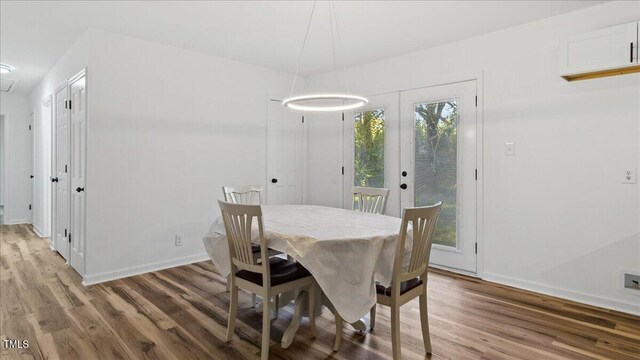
x=346, y=251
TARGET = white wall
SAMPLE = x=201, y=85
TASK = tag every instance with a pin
x=167, y=128
x=557, y=218
x=18, y=151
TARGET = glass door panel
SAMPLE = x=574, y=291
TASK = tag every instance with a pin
x=435, y=167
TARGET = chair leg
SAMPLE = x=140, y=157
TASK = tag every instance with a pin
x=395, y=331
x=233, y=309
x=266, y=328
x=253, y=300
x=228, y=282
x=372, y=317
x=424, y=321
x=312, y=309
x=339, y=326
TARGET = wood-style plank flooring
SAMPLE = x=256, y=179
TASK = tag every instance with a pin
x=181, y=313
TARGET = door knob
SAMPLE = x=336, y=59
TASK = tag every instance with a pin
x=403, y=186
x=54, y=179
x=274, y=180
x=404, y=174
x=80, y=189
x=30, y=176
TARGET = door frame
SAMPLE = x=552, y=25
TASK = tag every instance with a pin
x=479, y=78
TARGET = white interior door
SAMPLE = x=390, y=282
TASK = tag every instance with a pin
x=438, y=154
x=78, y=117
x=61, y=179
x=284, y=155
x=372, y=149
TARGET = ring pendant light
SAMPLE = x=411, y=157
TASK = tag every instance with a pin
x=330, y=101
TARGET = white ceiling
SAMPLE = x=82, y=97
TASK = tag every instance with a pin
x=34, y=35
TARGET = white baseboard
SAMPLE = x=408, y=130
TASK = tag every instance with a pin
x=137, y=270
x=16, y=222
x=626, y=307
x=35, y=230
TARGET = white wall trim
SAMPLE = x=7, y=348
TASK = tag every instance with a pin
x=16, y=222
x=137, y=270
x=607, y=303
x=36, y=230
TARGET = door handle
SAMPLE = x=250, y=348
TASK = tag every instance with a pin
x=274, y=180
x=80, y=189
x=30, y=176
x=403, y=186
x=55, y=179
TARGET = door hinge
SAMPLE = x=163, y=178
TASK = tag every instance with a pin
x=65, y=232
x=66, y=104
x=65, y=169
x=342, y=116
x=303, y=119
x=69, y=238
x=476, y=248
x=29, y=127
x=476, y=174
x=343, y=170
x=476, y=100
x=29, y=206
x=69, y=104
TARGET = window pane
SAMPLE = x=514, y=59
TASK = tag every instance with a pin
x=435, y=164
x=368, y=164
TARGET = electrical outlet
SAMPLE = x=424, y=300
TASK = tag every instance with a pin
x=632, y=281
x=629, y=176
x=510, y=149
x=179, y=240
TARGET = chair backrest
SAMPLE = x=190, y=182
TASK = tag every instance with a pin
x=371, y=200
x=423, y=222
x=248, y=195
x=238, y=226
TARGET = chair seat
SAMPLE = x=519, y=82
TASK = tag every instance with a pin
x=282, y=271
x=404, y=287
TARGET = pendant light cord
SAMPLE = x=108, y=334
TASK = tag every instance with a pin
x=304, y=42
x=344, y=65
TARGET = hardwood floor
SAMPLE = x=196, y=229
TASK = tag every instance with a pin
x=181, y=313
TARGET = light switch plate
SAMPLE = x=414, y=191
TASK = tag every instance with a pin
x=510, y=149
x=179, y=240
x=629, y=176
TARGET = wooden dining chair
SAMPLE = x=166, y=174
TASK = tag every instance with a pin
x=371, y=200
x=270, y=277
x=410, y=282
x=247, y=195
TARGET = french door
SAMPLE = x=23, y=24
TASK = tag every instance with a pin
x=421, y=145
x=70, y=138
x=438, y=161
x=372, y=149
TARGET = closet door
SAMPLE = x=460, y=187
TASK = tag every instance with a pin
x=78, y=144
x=61, y=171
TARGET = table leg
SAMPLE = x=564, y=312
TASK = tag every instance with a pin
x=287, y=337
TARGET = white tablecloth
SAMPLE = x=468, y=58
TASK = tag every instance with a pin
x=345, y=250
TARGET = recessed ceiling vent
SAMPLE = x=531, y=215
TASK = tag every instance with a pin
x=7, y=85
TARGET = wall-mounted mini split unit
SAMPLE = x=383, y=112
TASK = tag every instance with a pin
x=7, y=85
